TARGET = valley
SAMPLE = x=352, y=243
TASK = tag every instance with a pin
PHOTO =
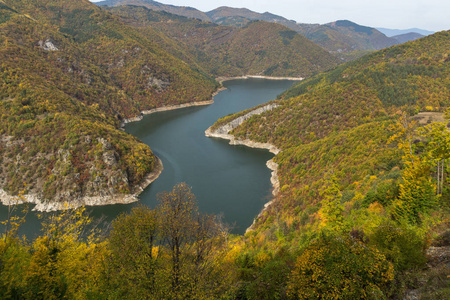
x=96, y=102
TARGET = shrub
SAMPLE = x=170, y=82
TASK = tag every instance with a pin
x=337, y=267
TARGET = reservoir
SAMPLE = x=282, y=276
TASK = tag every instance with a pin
x=229, y=180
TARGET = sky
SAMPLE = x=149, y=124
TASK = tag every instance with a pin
x=433, y=15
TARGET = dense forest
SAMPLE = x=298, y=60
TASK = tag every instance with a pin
x=343, y=39
x=363, y=157
x=73, y=72
x=259, y=48
x=363, y=206
x=70, y=73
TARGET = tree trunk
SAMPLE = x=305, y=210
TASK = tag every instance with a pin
x=438, y=178
x=442, y=176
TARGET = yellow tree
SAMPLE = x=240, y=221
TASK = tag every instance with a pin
x=340, y=267
x=417, y=192
x=332, y=209
x=65, y=258
x=404, y=133
x=177, y=210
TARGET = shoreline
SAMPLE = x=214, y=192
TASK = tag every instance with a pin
x=223, y=133
x=276, y=189
x=164, y=108
x=224, y=78
x=171, y=107
x=43, y=206
x=219, y=79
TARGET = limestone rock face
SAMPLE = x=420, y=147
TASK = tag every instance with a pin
x=73, y=179
x=223, y=131
x=47, y=45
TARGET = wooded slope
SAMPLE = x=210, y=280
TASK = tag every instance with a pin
x=338, y=122
x=259, y=48
x=70, y=73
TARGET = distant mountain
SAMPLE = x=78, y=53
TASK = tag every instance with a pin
x=258, y=48
x=407, y=37
x=189, y=12
x=226, y=12
x=394, y=32
x=344, y=39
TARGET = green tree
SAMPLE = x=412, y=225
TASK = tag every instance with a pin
x=332, y=209
x=438, y=146
x=134, y=255
x=417, y=192
x=402, y=245
x=171, y=252
x=340, y=267
x=177, y=211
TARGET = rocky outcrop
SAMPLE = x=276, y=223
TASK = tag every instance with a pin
x=165, y=108
x=223, y=133
x=222, y=79
x=47, y=45
x=42, y=205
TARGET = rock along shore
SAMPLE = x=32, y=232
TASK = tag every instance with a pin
x=223, y=133
x=200, y=103
x=222, y=79
x=44, y=206
x=171, y=107
x=164, y=108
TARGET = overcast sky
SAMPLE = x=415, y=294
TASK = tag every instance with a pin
x=431, y=15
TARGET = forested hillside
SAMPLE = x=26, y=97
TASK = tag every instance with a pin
x=344, y=39
x=339, y=121
x=70, y=73
x=185, y=11
x=259, y=48
x=363, y=206
x=355, y=161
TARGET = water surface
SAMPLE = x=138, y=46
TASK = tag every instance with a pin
x=232, y=180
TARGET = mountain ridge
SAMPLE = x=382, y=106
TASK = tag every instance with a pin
x=259, y=48
x=178, y=10
x=393, y=32
x=407, y=37
x=336, y=37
